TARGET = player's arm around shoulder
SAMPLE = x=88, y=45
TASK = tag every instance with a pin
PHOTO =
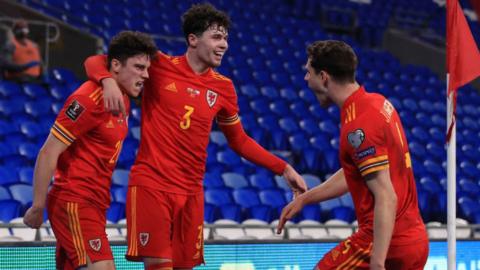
x=380, y=184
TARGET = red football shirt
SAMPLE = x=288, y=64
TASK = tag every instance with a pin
x=178, y=108
x=95, y=138
x=372, y=139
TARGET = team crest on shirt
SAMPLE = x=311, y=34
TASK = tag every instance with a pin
x=211, y=98
x=356, y=138
x=95, y=244
x=144, y=238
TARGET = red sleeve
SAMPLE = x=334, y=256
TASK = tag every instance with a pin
x=367, y=143
x=79, y=115
x=228, y=114
x=96, y=68
x=246, y=147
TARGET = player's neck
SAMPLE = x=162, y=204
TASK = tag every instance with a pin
x=195, y=63
x=341, y=92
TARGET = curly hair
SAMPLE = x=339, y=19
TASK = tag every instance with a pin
x=200, y=17
x=127, y=44
x=335, y=57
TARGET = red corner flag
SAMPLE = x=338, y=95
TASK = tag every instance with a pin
x=463, y=58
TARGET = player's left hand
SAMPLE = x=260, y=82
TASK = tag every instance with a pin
x=294, y=180
x=289, y=212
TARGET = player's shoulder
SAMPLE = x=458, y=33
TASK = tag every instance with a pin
x=164, y=57
x=89, y=93
x=219, y=81
x=373, y=108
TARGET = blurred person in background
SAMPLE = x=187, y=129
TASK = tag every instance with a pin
x=7, y=49
x=24, y=51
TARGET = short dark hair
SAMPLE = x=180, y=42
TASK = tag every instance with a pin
x=200, y=17
x=335, y=57
x=127, y=44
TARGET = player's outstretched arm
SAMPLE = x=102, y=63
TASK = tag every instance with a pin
x=96, y=69
x=385, y=210
x=333, y=187
x=44, y=168
x=245, y=146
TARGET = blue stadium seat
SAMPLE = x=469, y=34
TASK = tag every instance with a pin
x=234, y=180
x=218, y=197
x=273, y=198
x=433, y=167
x=8, y=176
x=9, y=89
x=308, y=96
x=4, y=194
x=25, y=175
x=22, y=193
x=260, y=212
x=328, y=205
x=430, y=185
x=417, y=149
x=260, y=106
x=298, y=143
x=34, y=90
x=289, y=125
x=310, y=126
x=30, y=129
x=330, y=128
x=299, y=110
x=312, y=212
x=120, y=177
x=218, y=138
x=420, y=134
x=321, y=142
x=469, y=187
x=38, y=109
x=468, y=169
x=231, y=211
x=213, y=180
x=115, y=212
x=468, y=207
x=246, y=197
x=318, y=112
x=209, y=213
x=119, y=194
x=436, y=151
x=63, y=75
x=9, y=209
x=344, y=213
x=280, y=108
x=289, y=94
x=262, y=181
x=249, y=90
x=311, y=180
x=228, y=158
x=28, y=150
x=270, y=92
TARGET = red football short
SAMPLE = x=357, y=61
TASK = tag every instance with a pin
x=80, y=232
x=165, y=225
x=356, y=255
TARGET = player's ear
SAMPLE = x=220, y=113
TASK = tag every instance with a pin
x=192, y=40
x=115, y=65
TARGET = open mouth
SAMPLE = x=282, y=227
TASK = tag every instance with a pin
x=139, y=85
x=219, y=54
